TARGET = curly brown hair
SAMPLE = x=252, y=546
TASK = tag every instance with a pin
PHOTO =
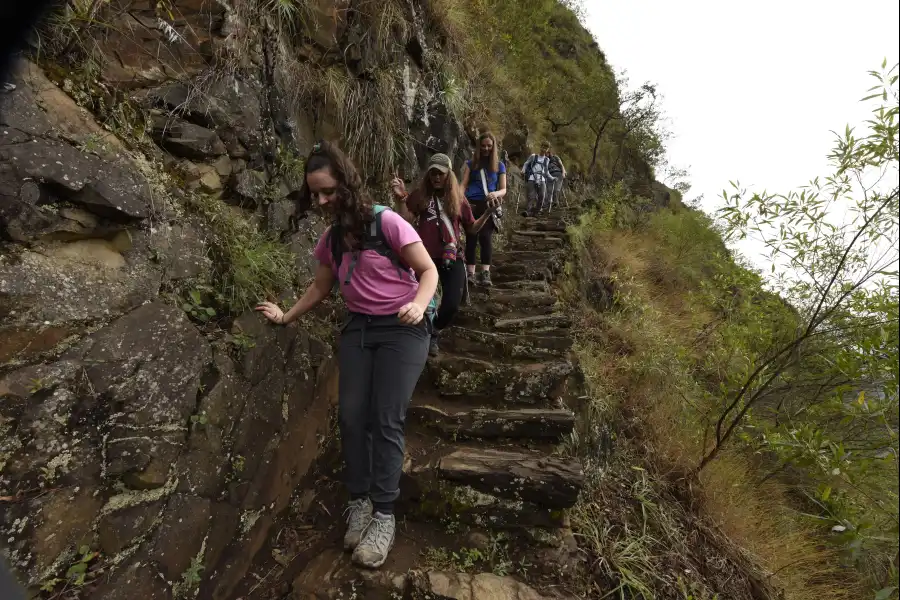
x=493, y=161
x=353, y=209
x=451, y=196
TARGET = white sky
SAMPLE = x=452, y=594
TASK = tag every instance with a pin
x=752, y=89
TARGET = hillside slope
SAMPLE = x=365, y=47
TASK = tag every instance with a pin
x=157, y=440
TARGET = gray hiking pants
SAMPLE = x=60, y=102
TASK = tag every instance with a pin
x=537, y=193
x=380, y=362
x=554, y=191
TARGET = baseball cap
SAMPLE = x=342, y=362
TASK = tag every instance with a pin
x=441, y=162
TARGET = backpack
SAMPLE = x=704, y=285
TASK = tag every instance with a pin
x=555, y=166
x=373, y=239
x=536, y=167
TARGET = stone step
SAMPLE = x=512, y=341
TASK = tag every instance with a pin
x=550, y=482
x=519, y=241
x=513, y=257
x=534, y=271
x=532, y=383
x=424, y=497
x=530, y=234
x=462, y=340
x=536, y=322
x=547, y=323
x=544, y=224
x=525, y=423
x=520, y=285
x=446, y=585
x=497, y=300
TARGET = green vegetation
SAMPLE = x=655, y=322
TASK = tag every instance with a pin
x=765, y=406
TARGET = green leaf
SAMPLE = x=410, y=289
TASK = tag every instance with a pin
x=76, y=569
x=210, y=311
x=84, y=550
x=187, y=307
x=195, y=296
x=885, y=593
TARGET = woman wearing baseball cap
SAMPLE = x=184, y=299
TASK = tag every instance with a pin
x=440, y=213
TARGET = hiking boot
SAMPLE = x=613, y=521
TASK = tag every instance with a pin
x=359, y=515
x=471, y=279
x=377, y=542
x=433, y=345
x=486, y=278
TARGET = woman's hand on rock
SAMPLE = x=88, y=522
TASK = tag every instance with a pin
x=271, y=312
x=411, y=314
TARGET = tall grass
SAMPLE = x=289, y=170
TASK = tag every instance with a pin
x=651, y=529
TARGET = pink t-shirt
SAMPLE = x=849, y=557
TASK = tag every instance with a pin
x=375, y=287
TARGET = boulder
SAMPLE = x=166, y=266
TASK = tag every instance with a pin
x=249, y=187
x=83, y=179
x=187, y=140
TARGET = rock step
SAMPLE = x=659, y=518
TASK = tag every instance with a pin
x=549, y=321
x=546, y=322
x=531, y=383
x=544, y=224
x=425, y=498
x=536, y=240
x=512, y=256
x=508, y=345
x=330, y=575
x=497, y=301
x=527, y=423
x=522, y=272
x=529, y=234
x=519, y=285
x=445, y=585
x=547, y=481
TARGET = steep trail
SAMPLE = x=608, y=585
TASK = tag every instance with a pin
x=483, y=476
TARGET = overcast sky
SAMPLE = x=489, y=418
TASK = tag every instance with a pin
x=751, y=88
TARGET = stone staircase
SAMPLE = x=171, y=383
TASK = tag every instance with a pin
x=482, y=437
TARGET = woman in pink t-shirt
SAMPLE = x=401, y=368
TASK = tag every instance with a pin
x=387, y=280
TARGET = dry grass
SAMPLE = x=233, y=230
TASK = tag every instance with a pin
x=637, y=359
x=757, y=518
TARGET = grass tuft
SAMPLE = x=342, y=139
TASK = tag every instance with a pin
x=248, y=264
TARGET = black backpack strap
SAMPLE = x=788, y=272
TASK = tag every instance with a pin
x=373, y=239
x=382, y=246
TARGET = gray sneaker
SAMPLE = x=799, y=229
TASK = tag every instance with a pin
x=7, y=87
x=485, y=277
x=377, y=542
x=359, y=515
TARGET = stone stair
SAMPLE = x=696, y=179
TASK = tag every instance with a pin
x=483, y=431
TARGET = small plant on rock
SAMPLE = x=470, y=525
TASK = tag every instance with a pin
x=193, y=305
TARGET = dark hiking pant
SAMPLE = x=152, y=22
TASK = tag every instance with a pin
x=380, y=362
x=453, y=286
x=483, y=237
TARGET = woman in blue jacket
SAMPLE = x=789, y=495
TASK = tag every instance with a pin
x=484, y=180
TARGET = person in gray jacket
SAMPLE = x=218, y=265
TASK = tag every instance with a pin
x=536, y=171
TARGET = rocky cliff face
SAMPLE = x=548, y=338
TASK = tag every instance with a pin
x=128, y=426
